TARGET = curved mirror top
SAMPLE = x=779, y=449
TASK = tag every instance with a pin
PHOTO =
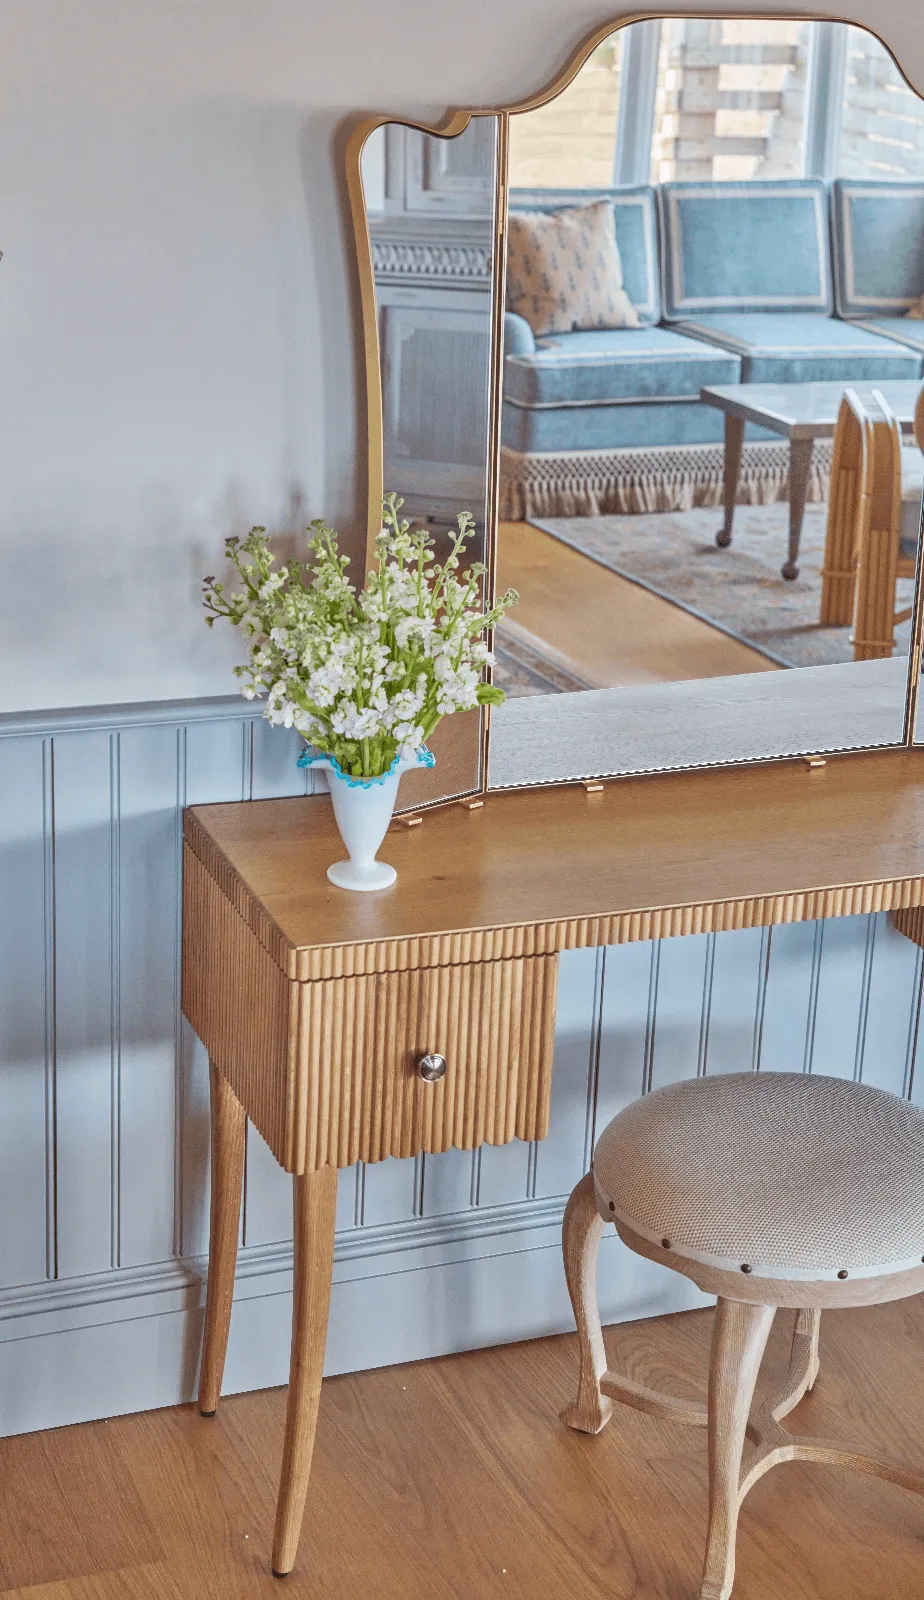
x=705, y=402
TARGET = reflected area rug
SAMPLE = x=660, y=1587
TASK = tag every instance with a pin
x=738, y=590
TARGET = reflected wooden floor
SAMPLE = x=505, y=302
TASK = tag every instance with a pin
x=454, y=1480
x=613, y=630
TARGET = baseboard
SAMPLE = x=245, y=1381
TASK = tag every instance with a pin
x=129, y=1341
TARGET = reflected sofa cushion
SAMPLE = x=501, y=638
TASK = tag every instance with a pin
x=739, y=247
x=576, y=369
x=801, y=347
x=609, y=427
x=878, y=233
x=635, y=217
x=906, y=330
x=613, y=389
x=564, y=270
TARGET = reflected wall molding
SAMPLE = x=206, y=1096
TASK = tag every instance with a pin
x=397, y=260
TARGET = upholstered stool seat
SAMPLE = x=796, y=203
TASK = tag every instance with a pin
x=779, y=1175
x=770, y=1191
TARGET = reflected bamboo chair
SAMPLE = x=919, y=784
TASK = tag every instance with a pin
x=770, y=1190
x=873, y=523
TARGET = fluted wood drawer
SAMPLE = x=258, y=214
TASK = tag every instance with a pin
x=359, y=1041
x=327, y=1068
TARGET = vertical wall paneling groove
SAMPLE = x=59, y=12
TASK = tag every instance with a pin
x=788, y=990
x=83, y=1000
x=104, y=1090
x=26, y=1039
x=391, y=1190
x=594, y=1064
x=812, y=1012
x=627, y=1009
x=449, y=1182
x=705, y=1012
x=178, y=1043
x=872, y=925
x=733, y=1000
x=892, y=1010
x=681, y=1018
x=763, y=972
x=148, y=959
x=841, y=991
x=502, y=1173
x=49, y=1040
x=115, y=998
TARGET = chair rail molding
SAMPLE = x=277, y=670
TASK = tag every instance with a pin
x=104, y=1138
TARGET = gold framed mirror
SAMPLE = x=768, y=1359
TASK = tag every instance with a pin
x=655, y=327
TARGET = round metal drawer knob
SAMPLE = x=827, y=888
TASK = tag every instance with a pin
x=431, y=1068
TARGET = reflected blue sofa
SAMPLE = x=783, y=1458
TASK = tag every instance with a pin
x=747, y=266
x=878, y=233
x=613, y=388
x=733, y=283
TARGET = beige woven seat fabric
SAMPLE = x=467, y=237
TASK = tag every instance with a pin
x=795, y=1176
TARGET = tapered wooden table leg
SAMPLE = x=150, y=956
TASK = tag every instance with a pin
x=229, y=1126
x=315, y=1205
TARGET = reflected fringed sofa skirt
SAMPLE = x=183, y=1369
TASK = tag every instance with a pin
x=591, y=483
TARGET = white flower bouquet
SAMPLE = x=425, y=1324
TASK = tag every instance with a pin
x=366, y=677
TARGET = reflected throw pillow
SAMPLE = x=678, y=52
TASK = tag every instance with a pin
x=917, y=310
x=564, y=271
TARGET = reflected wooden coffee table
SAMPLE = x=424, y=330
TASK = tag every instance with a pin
x=801, y=413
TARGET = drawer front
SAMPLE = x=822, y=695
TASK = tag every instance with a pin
x=357, y=1092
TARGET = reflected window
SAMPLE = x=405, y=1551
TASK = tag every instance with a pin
x=571, y=142
x=882, y=128
x=731, y=99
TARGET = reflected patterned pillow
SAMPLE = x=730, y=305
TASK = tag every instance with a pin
x=916, y=312
x=564, y=271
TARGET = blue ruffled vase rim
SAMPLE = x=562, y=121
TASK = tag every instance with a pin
x=310, y=757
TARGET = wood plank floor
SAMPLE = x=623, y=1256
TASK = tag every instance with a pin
x=614, y=630
x=453, y=1480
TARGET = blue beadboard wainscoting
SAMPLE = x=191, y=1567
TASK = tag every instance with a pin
x=104, y=1092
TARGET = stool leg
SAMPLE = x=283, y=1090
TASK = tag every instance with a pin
x=581, y=1234
x=738, y=1343
x=229, y=1126
x=315, y=1206
x=808, y=1326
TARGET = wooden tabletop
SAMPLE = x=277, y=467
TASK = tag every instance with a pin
x=558, y=868
x=808, y=410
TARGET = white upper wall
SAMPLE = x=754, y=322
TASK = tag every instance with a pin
x=177, y=318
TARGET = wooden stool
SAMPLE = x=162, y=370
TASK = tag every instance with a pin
x=767, y=1190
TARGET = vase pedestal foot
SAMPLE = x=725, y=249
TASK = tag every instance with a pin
x=353, y=875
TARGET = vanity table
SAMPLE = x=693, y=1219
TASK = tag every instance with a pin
x=353, y=1027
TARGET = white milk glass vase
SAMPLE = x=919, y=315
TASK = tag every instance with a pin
x=363, y=808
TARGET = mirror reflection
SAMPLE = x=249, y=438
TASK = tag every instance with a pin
x=711, y=426
x=430, y=209
x=430, y=206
